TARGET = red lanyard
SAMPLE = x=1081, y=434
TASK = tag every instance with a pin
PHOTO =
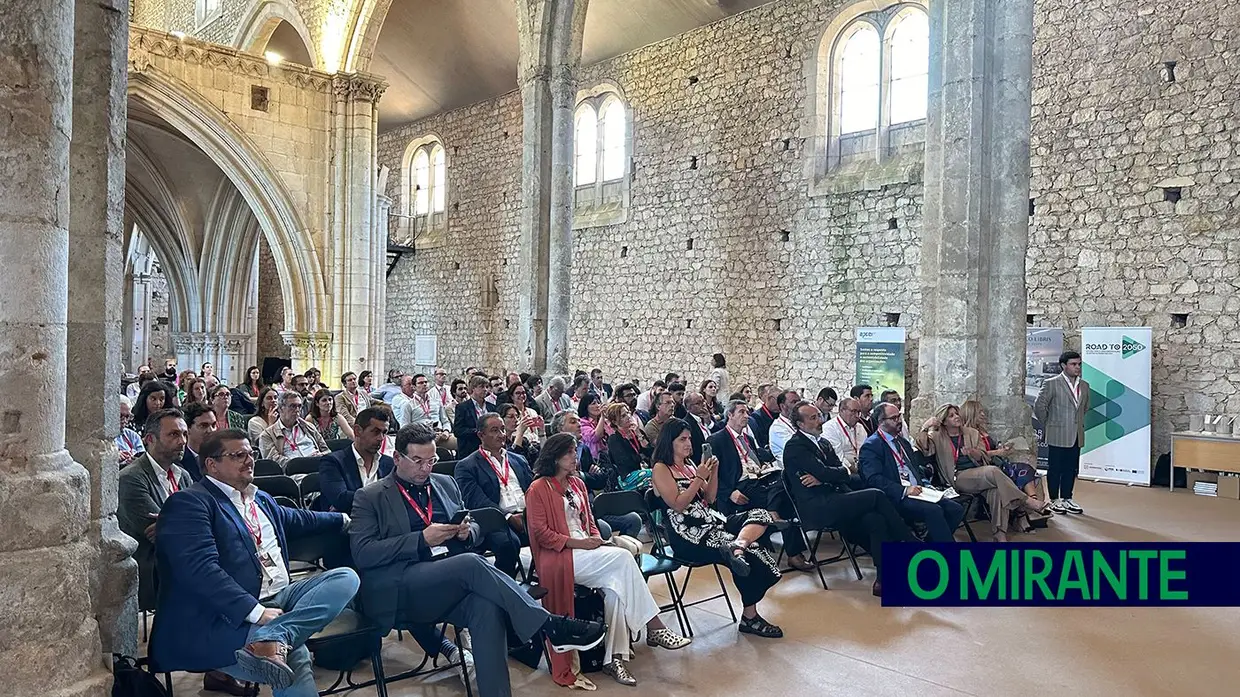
x=357, y=400
x=383, y=447
x=295, y=448
x=956, y=448
x=495, y=465
x=172, y=481
x=742, y=449
x=572, y=486
x=425, y=515
x=636, y=444
x=768, y=412
x=443, y=395
x=426, y=404
x=895, y=451
x=986, y=441
x=255, y=527
x=848, y=433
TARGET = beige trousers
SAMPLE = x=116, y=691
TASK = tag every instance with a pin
x=999, y=490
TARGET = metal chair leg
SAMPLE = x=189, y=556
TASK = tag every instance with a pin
x=813, y=559
x=682, y=615
x=848, y=548
x=143, y=613
x=376, y=664
x=723, y=589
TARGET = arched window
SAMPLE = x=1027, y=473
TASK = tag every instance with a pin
x=207, y=11
x=870, y=92
x=422, y=221
x=602, y=142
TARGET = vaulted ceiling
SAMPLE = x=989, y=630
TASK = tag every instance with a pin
x=439, y=55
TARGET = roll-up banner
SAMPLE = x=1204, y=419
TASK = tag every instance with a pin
x=1117, y=363
x=880, y=359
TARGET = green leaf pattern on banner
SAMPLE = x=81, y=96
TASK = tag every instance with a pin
x=1114, y=409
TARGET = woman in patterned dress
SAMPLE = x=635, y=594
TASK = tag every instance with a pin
x=698, y=533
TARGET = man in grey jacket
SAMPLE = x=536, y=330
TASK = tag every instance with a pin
x=1061, y=407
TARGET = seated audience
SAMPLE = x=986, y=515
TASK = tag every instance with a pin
x=750, y=479
x=200, y=423
x=598, y=476
x=145, y=375
x=826, y=401
x=301, y=385
x=128, y=442
x=388, y=390
x=1024, y=476
x=268, y=414
x=519, y=397
x=627, y=447
x=492, y=477
x=765, y=415
x=893, y=397
x=864, y=394
x=351, y=400
x=182, y=384
x=155, y=395
x=418, y=566
x=678, y=396
x=220, y=398
x=366, y=382
x=496, y=391
x=887, y=463
x=553, y=400
x=699, y=533
x=291, y=436
x=230, y=604
x=698, y=419
x=709, y=389
x=598, y=387
x=568, y=550
x=781, y=428
x=590, y=411
x=845, y=433
x=664, y=411
x=253, y=385
x=626, y=394
x=518, y=432
x=345, y=471
x=331, y=424
x=195, y=392
x=581, y=387
x=964, y=465
x=441, y=400
x=819, y=483
x=468, y=414
x=647, y=400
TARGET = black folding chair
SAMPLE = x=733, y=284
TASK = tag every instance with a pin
x=309, y=488
x=447, y=467
x=444, y=454
x=805, y=525
x=267, y=468
x=662, y=549
x=281, y=485
x=286, y=502
x=337, y=444
x=302, y=465
x=492, y=520
x=617, y=503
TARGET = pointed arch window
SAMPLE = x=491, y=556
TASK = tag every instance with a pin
x=422, y=221
x=602, y=145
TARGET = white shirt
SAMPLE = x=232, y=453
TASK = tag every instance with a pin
x=511, y=498
x=573, y=518
x=751, y=468
x=844, y=441
x=373, y=475
x=644, y=399
x=781, y=431
x=278, y=579
x=161, y=474
x=441, y=404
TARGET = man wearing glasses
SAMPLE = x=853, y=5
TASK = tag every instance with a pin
x=845, y=433
x=229, y=604
x=413, y=543
x=291, y=435
x=887, y=462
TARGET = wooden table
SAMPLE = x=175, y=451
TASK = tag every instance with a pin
x=1211, y=452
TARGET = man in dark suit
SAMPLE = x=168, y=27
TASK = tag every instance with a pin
x=598, y=387
x=228, y=602
x=343, y=472
x=465, y=418
x=887, y=463
x=418, y=567
x=200, y=422
x=821, y=486
x=865, y=395
x=762, y=418
x=749, y=478
x=492, y=477
x=698, y=418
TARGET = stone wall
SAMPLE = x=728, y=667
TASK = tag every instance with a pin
x=1108, y=129
x=270, y=313
x=159, y=315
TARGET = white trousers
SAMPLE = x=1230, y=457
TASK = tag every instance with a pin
x=627, y=603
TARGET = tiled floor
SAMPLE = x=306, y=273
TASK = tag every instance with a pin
x=842, y=642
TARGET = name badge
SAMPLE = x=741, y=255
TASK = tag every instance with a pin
x=439, y=551
x=268, y=565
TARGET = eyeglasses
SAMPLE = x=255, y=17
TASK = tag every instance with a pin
x=239, y=456
x=418, y=461
x=291, y=406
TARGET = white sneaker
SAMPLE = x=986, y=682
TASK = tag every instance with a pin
x=466, y=671
x=1071, y=506
x=1057, y=506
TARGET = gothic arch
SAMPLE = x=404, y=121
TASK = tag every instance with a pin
x=301, y=277
x=262, y=21
x=228, y=262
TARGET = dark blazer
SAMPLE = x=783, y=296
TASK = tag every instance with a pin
x=140, y=497
x=213, y=580
x=804, y=456
x=697, y=436
x=479, y=483
x=384, y=545
x=877, y=466
x=760, y=424
x=623, y=456
x=189, y=462
x=339, y=478
x=729, y=472
x=465, y=427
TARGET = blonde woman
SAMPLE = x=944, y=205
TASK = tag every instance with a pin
x=1024, y=476
x=964, y=464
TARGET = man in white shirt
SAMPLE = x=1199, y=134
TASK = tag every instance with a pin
x=230, y=602
x=845, y=433
x=782, y=429
x=414, y=404
x=442, y=403
x=648, y=399
x=291, y=436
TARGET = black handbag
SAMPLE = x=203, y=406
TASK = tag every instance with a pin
x=130, y=680
x=588, y=605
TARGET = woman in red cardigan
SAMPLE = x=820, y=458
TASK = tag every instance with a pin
x=567, y=549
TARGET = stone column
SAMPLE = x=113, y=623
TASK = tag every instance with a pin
x=976, y=222
x=96, y=275
x=550, y=33
x=47, y=552
x=307, y=349
x=355, y=289
x=377, y=360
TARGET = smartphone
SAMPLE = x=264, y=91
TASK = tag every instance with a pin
x=707, y=452
x=459, y=518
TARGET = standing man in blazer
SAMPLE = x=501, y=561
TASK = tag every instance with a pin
x=493, y=477
x=227, y=602
x=419, y=566
x=1061, y=407
x=465, y=418
x=886, y=462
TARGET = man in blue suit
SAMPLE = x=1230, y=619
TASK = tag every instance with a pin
x=886, y=462
x=468, y=413
x=345, y=471
x=228, y=602
x=492, y=477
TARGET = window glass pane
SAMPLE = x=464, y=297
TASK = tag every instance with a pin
x=437, y=188
x=910, y=67
x=859, y=73
x=421, y=182
x=586, y=143
x=613, y=141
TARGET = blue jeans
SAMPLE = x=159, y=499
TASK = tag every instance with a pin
x=629, y=524
x=309, y=606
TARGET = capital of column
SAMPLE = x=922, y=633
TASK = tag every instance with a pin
x=307, y=346
x=358, y=87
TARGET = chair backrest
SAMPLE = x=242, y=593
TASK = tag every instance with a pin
x=444, y=454
x=616, y=503
x=657, y=508
x=302, y=465
x=286, y=501
x=267, y=468
x=309, y=484
x=447, y=467
x=281, y=485
x=337, y=444
x=489, y=520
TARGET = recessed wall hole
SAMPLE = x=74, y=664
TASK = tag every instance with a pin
x=693, y=162
x=507, y=324
x=784, y=235
x=1172, y=194
x=1179, y=320
x=624, y=323
x=689, y=245
x=788, y=52
x=260, y=98
x=892, y=319
x=787, y=143
x=456, y=150
x=776, y=323
x=624, y=252
x=505, y=134
x=1169, y=71
x=1032, y=206
x=456, y=206
x=693, y=79
x=1030, y=319
x=456, y=266
x=892, y=224
x=688, y=324
x=505, y=262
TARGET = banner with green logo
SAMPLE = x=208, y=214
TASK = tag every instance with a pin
x=1117, y=362
x=880, y=359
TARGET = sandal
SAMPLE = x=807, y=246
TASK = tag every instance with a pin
x=800, y=564
x=583, y=683
x=734, y=557
x=666, y=638
x=759, y=627
x=618, y=672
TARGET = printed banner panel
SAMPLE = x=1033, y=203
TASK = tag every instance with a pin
x=1042, y=348
x=1117, y=363
x=880, y=359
